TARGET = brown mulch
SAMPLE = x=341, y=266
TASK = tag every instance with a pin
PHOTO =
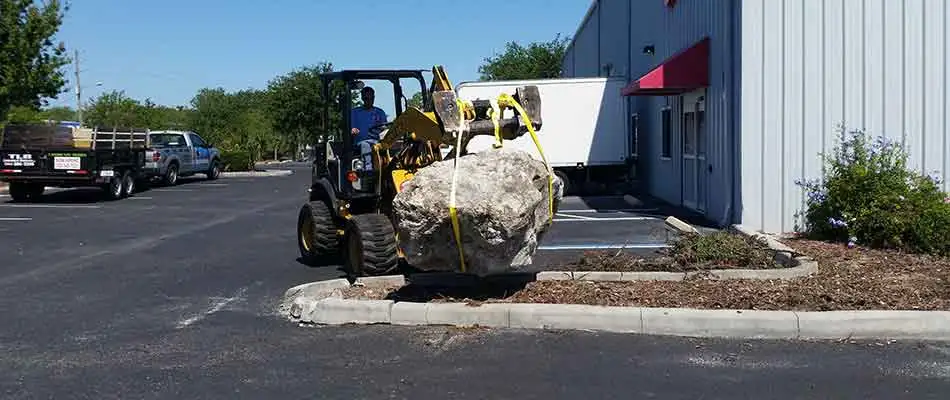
x=848, y=279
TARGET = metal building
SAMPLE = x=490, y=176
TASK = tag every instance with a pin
x=734, y=100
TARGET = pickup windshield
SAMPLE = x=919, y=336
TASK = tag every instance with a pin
x=167, y=139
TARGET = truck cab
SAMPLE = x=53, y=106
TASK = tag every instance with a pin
x=175, y=154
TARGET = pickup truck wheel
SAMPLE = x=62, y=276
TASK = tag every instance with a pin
x=370, y=245
x=171, y=175
x=215, y=171
x=316, y=233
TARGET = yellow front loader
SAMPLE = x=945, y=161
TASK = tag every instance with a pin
x=348, y=216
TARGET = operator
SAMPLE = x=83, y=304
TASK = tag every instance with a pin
x=362, y=118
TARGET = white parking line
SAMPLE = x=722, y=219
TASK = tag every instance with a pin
x=605, y=219
x=49, y=206
x=602, y=246
x=16, y=219
x=573, y=216
x=140, y=198
x=611, y=210
x=172, y=190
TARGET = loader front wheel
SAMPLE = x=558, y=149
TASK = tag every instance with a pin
x=316, y=233
x=370, y=245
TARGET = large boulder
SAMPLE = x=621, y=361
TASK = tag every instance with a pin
x=502, y=207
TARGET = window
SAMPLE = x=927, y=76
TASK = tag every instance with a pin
x=689, y=133
x=197, y=141
x=667, y=150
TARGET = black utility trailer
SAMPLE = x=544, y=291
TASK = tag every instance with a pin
x=36, y=156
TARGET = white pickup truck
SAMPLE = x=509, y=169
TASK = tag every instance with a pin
x=173, y=154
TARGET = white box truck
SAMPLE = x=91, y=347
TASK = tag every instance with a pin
x=585, y=131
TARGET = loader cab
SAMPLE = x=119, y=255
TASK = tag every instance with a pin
x=337, y=159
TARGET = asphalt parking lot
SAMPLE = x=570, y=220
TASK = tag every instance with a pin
x=172, y=294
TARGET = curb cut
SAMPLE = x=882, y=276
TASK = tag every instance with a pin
x=256, y=174
x=321, y=303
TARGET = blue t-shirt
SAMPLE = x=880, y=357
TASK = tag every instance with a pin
x=363, y=119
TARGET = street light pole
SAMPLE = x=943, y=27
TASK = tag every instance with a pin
x=78, y=89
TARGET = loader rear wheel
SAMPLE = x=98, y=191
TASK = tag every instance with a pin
x=370, y=245
x=316, y=233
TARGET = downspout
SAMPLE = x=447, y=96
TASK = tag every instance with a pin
x=734, y=100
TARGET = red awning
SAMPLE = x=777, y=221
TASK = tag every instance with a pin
x=686, y=71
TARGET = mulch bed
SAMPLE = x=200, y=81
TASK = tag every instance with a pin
x=848, y=279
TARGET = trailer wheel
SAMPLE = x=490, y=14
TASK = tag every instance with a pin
x=22, y=192
x=114, y=190
x=128, y=184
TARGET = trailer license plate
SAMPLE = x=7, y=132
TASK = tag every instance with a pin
x=68, y=163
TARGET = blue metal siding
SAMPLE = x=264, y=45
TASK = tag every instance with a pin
x=670, y=31
x=616, y=32
x=587, y=48
x=614, y=38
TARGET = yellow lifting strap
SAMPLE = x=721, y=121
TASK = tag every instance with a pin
x=495, y=115
x=453, y=212
x=508, y=100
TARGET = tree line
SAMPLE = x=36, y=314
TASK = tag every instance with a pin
x=272, y=122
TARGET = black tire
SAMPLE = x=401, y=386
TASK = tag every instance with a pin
x=214, y=170
x=370, y=245
x=22, y=192
x=115, y=189
x=171, y=175
x=317, y=236
x=128, y=184
x=568, y=188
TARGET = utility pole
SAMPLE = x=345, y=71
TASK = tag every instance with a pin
x=78, y=88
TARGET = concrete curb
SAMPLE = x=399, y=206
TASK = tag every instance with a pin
x=257, y=174
x=802, y=269
x=321, y=303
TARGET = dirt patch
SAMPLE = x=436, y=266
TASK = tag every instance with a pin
x=848, y=279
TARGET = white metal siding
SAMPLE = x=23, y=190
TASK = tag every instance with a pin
x=810, y=65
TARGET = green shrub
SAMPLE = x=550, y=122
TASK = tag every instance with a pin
x=868, y=196
x=237, y=160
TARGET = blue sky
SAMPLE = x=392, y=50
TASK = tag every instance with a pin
x=168, y=49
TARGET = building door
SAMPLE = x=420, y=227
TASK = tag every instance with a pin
x=694, y=152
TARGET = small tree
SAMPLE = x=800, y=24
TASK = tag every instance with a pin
x=30, y=63
x=537, y=60
x=868, y=196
